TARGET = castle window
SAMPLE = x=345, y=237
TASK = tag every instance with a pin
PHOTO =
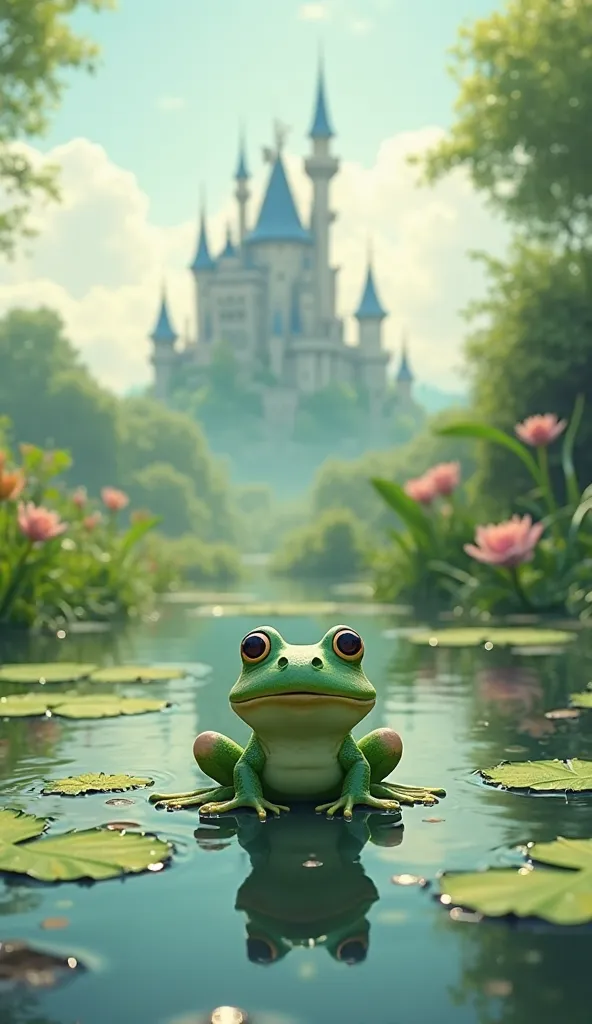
x=231, y=309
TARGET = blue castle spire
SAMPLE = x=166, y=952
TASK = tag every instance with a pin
x=203, y=259
x=164, y=333
x=404, y=375
x=242, y=170
x=278, y=217
x=321, y=123
x=370, y=307
x=229, y=249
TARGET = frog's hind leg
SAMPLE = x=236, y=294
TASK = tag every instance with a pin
x=383, y=750
x=216, y=756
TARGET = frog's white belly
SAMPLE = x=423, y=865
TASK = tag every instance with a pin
x=303, y=768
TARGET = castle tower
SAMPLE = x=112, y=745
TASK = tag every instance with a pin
x=373, y=359
x=404, y=379
x=202, y=269
x=321, y=167
x=242, y=191
x=163, y=339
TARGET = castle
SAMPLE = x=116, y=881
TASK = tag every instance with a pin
x=271, y=294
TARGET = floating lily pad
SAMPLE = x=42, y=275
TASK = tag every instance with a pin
x=581, y=700
x=96, y=853
x=476, y=636
x=67, y=705
x=95, y=783
x=561, y=897
x=15, y=826
x=54, y=672
x=542, y=776
x=136, y=674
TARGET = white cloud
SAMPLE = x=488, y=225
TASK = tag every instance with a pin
x=361, y=26
x=99, y=259
x=168, y=103
x=313, y=12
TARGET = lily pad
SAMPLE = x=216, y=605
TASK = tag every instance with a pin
x=476, y=636
x=54, y=672
x=542, y=776
x=561, y=897
x=581, y=700
x=96, y=853
x=95, y=783
x=15, y=826
x=136, y=674
x=29, y=705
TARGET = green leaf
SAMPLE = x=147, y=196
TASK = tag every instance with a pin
x=573, y=489
x=96, y=853
x=475, y=636
x=75, y=706
x=481, y=432
x=53, y=672
x=136, y=674
x=407, y=509
x=136, y=532
x=561, y=897
x=581, y=700
x=542, y=776
x=95, y=783
x=16, y=826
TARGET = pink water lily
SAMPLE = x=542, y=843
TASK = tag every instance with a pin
x=445, y=478
x=39, y=524
x=540, y=431
x=421, y=489
x=92, y=521
x=114, y=499
x=506, y=544
x=80, y=497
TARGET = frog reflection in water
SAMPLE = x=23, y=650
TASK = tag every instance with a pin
x=307, y=886
x=301, y=703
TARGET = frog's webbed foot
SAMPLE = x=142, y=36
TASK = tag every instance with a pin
x=235, y=803
x=408, y=795
x=347, y=802
x=194, y=798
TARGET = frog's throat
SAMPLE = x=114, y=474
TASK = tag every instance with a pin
x=304, y=699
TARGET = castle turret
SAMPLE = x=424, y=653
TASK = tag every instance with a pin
x=373, y=359
x=321, y=167
x=242, y=191
x=404, y=379
x=163, y=339
x=202, y=268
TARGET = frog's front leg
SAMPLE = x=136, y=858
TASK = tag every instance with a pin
x=248, y=791
x=356, y=784
x=383, y=749
x=216, y=756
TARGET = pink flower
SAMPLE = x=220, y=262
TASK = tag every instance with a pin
x=91, y=522
x=506, y=544
x=11, y=484
x=113, y=499
x=80, y=497
x=39, y=524
x=540, y=431
x=421, y=489
x=445, y=478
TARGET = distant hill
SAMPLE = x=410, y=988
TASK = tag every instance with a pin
x=434, y=400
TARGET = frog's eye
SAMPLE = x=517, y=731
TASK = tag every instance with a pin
x=352, y=950
x=255, y=647
x=261, y=951
x=348, y=645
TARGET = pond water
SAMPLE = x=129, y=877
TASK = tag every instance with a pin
x=170, y=947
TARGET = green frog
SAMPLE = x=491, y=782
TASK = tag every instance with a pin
x=301, y=703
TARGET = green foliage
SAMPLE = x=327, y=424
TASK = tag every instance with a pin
x=95, y=783
x=224, y=405
x=170, y=495
x=561, y=897
x=522, y=115
x=38, y=47
x=189, y=560
x=334, y=413
x=73, y=705
x=53, y=672
x=581, y=700
x=542, y=776
x=334, y=547
x=96, y=853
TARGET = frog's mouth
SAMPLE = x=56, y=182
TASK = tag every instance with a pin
x=305, y=697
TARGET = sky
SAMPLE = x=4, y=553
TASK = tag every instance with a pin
x=140, y=141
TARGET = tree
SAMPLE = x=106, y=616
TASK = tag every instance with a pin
x=335, y=546
x=330, y=415
x=165, y=492
x=36, y=47
x=523, y=116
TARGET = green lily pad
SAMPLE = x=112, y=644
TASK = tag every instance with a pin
x=561, y=897
x=542, y=776
x=16, y=826
x=67, y=705
x=54, y=672
x=581, y=700
x=95, y=783
x=96, y=853
x=476, y=636
x=136, y=674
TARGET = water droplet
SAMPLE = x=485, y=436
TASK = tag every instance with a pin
x=465, y=916
x=488, y=645
x=312, y=863
x=217, y=611
x=446, y=899
x=408, y=880
x=433, y=641
x=228, y=1015
x=158, y=866
x=61, y=634
x=72, y=962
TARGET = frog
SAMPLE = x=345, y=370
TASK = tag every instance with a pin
x=301, y=702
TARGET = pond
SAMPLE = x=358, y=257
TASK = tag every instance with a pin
x=261, y=924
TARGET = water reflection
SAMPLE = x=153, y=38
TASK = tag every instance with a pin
x=307, y=886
